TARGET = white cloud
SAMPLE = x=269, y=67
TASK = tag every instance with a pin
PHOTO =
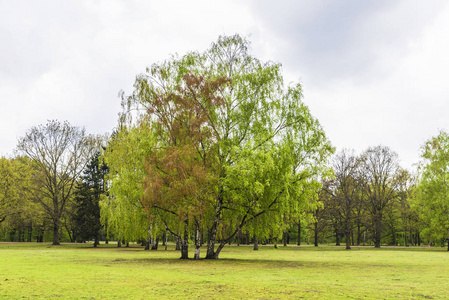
x=373, y=72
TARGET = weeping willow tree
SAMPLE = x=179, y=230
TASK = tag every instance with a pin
x=122, y=211
x=255, y=154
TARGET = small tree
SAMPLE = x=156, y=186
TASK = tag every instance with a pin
x=87, y=197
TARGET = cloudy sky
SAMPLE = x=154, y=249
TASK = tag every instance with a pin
x=373, y=72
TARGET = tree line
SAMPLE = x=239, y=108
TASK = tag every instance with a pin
x=210, y=149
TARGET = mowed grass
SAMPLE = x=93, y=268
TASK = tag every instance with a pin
x=70, y=271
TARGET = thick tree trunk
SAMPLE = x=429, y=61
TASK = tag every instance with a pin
x=377, y=229
x=147, y=244
x=285, y=238
x=348, y=240
x=185, y=243
x=256, y=243
x=337, y=238
x=154, y=243
x=56, y=225
x=316, y=234
x=119, y=244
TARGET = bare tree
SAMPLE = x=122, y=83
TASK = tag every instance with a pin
x=345, y=190
x=60, y=152
x=380, y=169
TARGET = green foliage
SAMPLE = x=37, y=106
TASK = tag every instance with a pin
x=122, y=211
x=433, y=190
x=18, y=208
x=87, y=198
x=260, y=141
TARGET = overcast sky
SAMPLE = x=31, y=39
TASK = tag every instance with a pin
x=373, y=72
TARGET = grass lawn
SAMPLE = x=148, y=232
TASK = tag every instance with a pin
x=33, y=271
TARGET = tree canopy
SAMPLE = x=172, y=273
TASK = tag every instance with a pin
x=232, y=142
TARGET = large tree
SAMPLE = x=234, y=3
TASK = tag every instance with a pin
x=433, y=187
x=60, y=152
x=263, y=145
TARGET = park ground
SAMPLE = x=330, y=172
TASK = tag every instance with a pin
x=79, y=271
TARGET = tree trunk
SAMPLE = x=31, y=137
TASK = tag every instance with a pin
x=56, y=224
x=155, y=243
x=185, y=241
x=178, y=244
x=285, y=238
x=147, y=244
x=448, y=240
x=197, y=243
x=337, y=238
x=119, y=243
x=210, y=253
x=299, y=233
x=256, y=243
x=316, y=234
x=220, y=247
x=348, y=238
x=377, y=229
x=359, y=235
x=97, y=241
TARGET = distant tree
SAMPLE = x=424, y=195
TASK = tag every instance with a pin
x=380, y=170
x=87, y=197
x=18, y=210
x=60, y=152
x=345, y=190
x=433, y=186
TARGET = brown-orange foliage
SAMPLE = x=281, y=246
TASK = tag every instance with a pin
x=183, y=170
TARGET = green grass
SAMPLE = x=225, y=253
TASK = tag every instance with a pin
x=33, y=271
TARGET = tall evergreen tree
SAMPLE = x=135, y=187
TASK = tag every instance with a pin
x=87, y=198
